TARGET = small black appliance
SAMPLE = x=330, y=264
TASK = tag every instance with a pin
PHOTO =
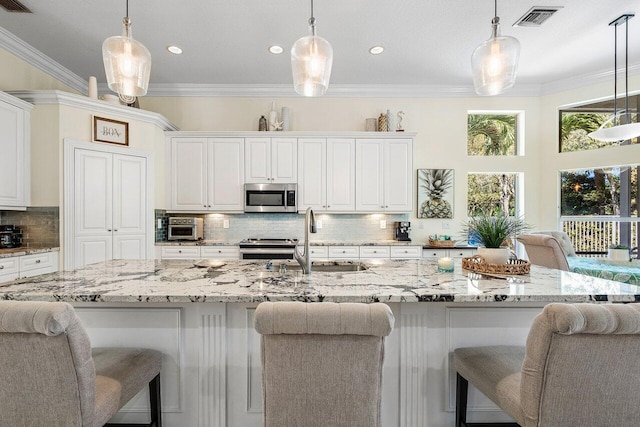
x=10, y=236
x=402, y=231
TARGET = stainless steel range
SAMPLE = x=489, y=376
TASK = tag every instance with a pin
x=268, y=248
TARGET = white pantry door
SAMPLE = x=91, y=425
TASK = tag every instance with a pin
x=110, y=199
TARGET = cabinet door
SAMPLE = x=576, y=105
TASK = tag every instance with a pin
x=284, y=160
x=398, y=182
x=312, y=166
x=129, y=246
x=369, y=175
x=93, y=193
x=12, y=157
x=257, y=165
x=188, y=174
x=341, y=175
x=91, y=249
x=226, y=174
x=129, y=195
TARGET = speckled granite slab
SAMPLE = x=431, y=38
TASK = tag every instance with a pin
x=249, y=281
x=5, y=253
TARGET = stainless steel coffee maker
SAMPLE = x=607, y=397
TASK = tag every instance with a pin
x=402, y=231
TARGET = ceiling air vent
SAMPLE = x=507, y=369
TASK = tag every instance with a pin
x=536, y=16
x=14, y=6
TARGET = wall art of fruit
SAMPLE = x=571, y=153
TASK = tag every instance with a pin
x=435, y=193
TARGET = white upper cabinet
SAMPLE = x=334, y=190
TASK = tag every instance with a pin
x=271, y=160
x=207, y=174
x=384, y=175
x=15, y=190
x=326, y=174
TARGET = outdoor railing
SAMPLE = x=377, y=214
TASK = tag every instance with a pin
x=592, y=236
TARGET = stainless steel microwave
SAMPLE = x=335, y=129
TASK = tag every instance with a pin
x=186, y=228
x=278, y=198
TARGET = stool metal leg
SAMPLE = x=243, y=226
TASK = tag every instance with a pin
x=156, y=404
x=462, y=388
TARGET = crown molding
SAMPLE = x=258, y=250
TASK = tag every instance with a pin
x=15, y=101
x=586, y=80
x=335, y=91
x=28, y=53
x=57, y=97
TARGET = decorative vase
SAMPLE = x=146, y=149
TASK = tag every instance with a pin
x=93, y=87
x=273, y=117
x=383, y=124
x=262, y=124
x=494, y=255
x=371, y=125
x=389, y=121
x=285, y=117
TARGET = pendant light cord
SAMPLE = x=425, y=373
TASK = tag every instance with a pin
x=495, y=8
x=312, y=21
x=615, y=71
x=626, y=70
x=127, y=15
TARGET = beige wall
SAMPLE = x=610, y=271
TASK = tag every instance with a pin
x=19, y=75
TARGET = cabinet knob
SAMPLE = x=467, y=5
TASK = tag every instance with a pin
x=108, y=229
x=328, y=206
x=180, y=252
x=386, y=206
x=204, y=206
x=382, y=206
x=115, y=229
x=38, y=261
x=219, y=251
x=1, y=267
x=344, y=252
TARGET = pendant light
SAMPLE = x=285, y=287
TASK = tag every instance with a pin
x=311, y=60
x=494, y=63
x=127, y=63
x=619, y=131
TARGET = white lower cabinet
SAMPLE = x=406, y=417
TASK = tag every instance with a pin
x=200, y=252
x=28, y=265
x=375, y=252
x=406, y=252
x=318, y=252
x=450, y=252
x=344, y=252
x=220, y=252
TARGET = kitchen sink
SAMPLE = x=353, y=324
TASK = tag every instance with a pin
x=331, y=267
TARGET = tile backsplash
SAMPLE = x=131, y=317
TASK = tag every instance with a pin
x=40, y=225
x=334, y=227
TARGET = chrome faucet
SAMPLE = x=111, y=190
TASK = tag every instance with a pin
x=304, y=259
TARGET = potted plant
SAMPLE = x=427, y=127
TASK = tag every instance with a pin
x=618, y=252
x=494, y=233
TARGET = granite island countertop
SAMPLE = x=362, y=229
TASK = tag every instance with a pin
x=301, y=242
x=181, y=281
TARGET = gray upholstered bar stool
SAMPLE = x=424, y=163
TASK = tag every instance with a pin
x=544, y=250
x=580, y=367
x=322, y=363
x=48, y=376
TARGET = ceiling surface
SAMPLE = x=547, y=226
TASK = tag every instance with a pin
x=427, y=42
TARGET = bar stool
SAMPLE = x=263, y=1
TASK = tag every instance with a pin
x=544, y=250
x=579, y=368
x=49, y=375
x=322, y=363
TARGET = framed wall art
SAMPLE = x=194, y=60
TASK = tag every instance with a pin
x=435, y=193
x=111, y=131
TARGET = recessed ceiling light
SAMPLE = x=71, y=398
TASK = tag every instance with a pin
x=174, y=49
x=275, y=49
x=376, y=50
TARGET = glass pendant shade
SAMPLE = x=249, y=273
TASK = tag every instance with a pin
x=311, y=60
x=616, y=133
x=127, y=63
x=494, y=63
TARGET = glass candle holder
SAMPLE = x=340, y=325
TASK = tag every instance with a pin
x=445, y=265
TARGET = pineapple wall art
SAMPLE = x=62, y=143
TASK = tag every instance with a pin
x=435, y=193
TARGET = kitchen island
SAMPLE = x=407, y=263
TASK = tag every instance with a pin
x=199, y=314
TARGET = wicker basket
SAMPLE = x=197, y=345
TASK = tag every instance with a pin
x=442, y=243
x=479, y=265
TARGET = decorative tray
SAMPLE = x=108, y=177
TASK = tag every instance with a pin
x=479, y=265
x=442, y=243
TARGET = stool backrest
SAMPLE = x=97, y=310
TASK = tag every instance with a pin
x=582, y=366
x=564, y=240
x=322, y=362
x=47, y=375
x=544, y=250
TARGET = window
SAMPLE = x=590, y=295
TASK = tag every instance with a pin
x=491, y=194
x=493, y=133
x=599, y=207
x=578, y=121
